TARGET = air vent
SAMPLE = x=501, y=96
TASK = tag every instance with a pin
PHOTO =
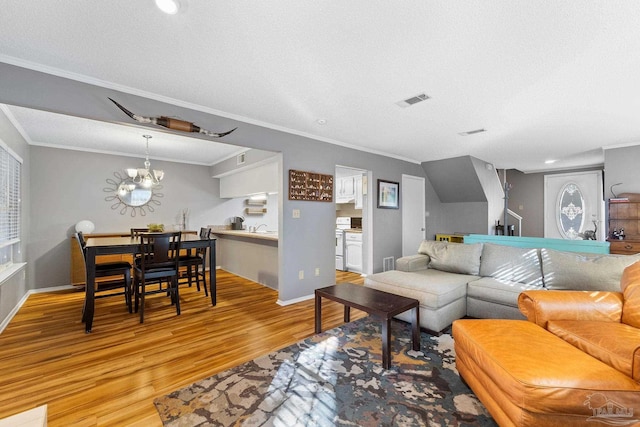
x=388, y=264
x=413, y=100
x=472, y=132
x=240, y=159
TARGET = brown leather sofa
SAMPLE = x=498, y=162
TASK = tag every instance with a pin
x=574, y=362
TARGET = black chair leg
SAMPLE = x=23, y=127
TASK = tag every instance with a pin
x=176, y=294
x=127, y=289
x=143, y=290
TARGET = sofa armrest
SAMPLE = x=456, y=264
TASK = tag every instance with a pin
x=413, y=262
x=541, y=306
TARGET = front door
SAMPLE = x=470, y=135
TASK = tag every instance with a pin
x=573, y=204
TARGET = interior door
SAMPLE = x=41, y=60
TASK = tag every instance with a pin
x=413, y=218
x=572, y=203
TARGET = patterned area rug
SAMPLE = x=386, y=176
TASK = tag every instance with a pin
x=335, y=379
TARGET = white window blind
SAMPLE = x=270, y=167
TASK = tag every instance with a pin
x=10, y=173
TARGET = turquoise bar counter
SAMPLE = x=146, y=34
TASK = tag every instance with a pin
x=586, y=246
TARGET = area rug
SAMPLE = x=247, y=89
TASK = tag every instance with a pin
x=335, y=379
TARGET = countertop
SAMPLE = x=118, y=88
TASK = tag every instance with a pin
x=269, y=235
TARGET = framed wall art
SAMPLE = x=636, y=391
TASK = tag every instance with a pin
x=388, y=194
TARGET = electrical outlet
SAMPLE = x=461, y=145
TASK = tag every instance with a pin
x=296, y=213
x=301, y=274
x=317, y=271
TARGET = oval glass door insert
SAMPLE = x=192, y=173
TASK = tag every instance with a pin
x=570, y=211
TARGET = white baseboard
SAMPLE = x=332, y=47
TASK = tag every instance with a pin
x=24, y=298
x=295, y=300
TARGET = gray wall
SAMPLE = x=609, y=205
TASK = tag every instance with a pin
x=528, y=191
x=622, y=165
x=306, y=243
x=463, y=195
x=68, y=187
x=14, y=289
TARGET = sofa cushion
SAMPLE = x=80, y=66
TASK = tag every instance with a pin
x=453, y=257
x=433, y=288
x=533, y=377
x=497, y=291
x=630, y=286
x=579, y=271
x=616, y=344
x=511, y=264
x=412, y=262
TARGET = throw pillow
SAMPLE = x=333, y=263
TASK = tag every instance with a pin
x=630, y=286
x=580, y=271
x=453, y=257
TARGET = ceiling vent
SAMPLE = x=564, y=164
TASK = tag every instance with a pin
x=241, y=158
x=472, y=132
x=413, y=100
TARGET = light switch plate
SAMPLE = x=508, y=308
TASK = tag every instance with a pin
x=296, y=213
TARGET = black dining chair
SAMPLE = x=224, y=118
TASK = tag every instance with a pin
x=108, y=269
x=158, y=262
x=193, y=261
x=136, y=232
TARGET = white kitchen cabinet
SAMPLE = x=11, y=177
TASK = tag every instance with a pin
x=353, y=251
x=346, y=189
x=358, y=194
x=258, y=179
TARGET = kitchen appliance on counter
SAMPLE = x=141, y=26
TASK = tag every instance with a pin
x=348, y=222
x=236, y=223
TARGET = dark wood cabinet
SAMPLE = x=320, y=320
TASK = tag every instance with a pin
x=625, y=215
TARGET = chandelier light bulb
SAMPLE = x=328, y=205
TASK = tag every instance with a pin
x=170, y=7
x=143, y=176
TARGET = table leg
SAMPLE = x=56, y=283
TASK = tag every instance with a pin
x=415, y=327
x=318, y=313
x=212, y=271
x=386, y=339
x=347, y=314
x=89, y=290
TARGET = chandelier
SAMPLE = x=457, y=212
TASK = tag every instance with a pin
x=143, y=176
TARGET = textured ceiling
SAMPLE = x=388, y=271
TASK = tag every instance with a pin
x=546, y=79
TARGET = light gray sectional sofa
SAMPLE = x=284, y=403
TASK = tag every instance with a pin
x=483, y=280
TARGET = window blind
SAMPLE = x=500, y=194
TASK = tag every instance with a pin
x=10, y=174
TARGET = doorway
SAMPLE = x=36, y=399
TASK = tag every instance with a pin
x=353, y=224
x=573, y=203
x=413, y=213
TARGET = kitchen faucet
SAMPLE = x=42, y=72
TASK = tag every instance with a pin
x=254, y=229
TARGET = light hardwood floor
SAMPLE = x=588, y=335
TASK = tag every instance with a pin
x=111, y=376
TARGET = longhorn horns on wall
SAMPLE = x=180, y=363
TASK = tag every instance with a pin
x=170, y=123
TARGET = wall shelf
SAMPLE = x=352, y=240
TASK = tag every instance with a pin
x=309, y=186
x=624, y=213
x=255, y=211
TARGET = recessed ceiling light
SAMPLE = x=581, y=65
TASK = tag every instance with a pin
x=169, y=7
x=548, y=162
x=321, y=121
x=472, y=132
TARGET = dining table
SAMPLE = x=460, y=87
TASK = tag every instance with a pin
x=128, y=245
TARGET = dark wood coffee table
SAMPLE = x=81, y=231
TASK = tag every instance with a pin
x=372, y=301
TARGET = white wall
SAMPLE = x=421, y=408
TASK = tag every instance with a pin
x=14, y=289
